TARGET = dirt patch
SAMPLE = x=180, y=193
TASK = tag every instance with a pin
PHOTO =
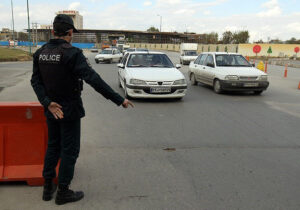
x=7, y=54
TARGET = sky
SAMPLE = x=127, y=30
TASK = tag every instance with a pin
x=264, y=19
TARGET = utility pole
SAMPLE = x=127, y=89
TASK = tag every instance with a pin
x=160, y=22
x=160, y=27
x=13, y=22
x=29, y=38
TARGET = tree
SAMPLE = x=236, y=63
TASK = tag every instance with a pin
x=269, y=50
x=293, y=40
x=211, y=38
x=227, y=37
x=152, y=29
x=241, y=37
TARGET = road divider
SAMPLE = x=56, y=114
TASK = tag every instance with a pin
x=23, y=142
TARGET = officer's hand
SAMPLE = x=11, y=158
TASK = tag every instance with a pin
x=126, y=103
x=56, y=110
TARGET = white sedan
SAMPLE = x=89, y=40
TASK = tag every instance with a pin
x=227, y=71
x=150, y=75
x=109, y=55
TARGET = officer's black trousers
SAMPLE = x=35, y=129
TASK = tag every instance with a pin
x=64, y=144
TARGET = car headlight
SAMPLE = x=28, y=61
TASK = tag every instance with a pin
x=137, y=82
x=179, y=82
x=231, y=77
x=263, y=77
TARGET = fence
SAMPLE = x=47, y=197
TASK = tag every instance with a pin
x=26, y=44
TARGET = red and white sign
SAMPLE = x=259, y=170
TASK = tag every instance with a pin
x=13, y=43
x=257, y=49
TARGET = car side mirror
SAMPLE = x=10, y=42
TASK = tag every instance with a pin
x=178, y=66
x=121, y=65
x=210, y=65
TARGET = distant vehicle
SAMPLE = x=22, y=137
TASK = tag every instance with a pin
x=94, y=49
x=150, y=75
x=122, y=47
x=109, y=55
x=227, y=71
x=105, y=44
x=188, y=52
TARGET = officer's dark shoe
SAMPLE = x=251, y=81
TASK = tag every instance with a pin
x=49, y=189
x=65, y=195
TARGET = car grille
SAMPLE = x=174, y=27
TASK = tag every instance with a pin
x=250, y=78
x=153, y=83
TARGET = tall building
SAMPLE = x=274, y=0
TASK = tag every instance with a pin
x=76, y=17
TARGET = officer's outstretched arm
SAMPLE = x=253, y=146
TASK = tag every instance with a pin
x=83, y=70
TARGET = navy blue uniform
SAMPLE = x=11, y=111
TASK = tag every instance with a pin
x=58, y=69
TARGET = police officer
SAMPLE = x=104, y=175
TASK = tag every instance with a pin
x=58, y=71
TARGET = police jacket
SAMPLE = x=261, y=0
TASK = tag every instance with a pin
x=58, y=71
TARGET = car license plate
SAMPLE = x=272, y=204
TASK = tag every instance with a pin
x=160, y=90
x=251, y=85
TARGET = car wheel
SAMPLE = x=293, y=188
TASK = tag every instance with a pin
x=258, y=92
x=97, y=61
x=193, y=79
x=120, y=60
x=110, y=61
x=119, y=82
x=217, y=87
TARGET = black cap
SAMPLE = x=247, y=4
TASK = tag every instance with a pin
x=62, y=23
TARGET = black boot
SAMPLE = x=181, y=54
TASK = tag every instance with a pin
x=65, y=195
x=49, y=189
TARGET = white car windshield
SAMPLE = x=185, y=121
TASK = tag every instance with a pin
x=190, y=53
x=106, y=52
x=149, y=60
x=231, y=60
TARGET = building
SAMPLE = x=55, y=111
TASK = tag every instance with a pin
x=5, y=34
x=76, y=17
x=97, y=36
x=46, y=26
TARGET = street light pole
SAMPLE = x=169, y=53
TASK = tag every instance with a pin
x=160, y=21
x=13, y=21
x=29, y=38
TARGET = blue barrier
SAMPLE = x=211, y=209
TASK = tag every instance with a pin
x=3, y=43
x=26, y=44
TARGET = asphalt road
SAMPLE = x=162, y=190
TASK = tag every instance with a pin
x=232, y=151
